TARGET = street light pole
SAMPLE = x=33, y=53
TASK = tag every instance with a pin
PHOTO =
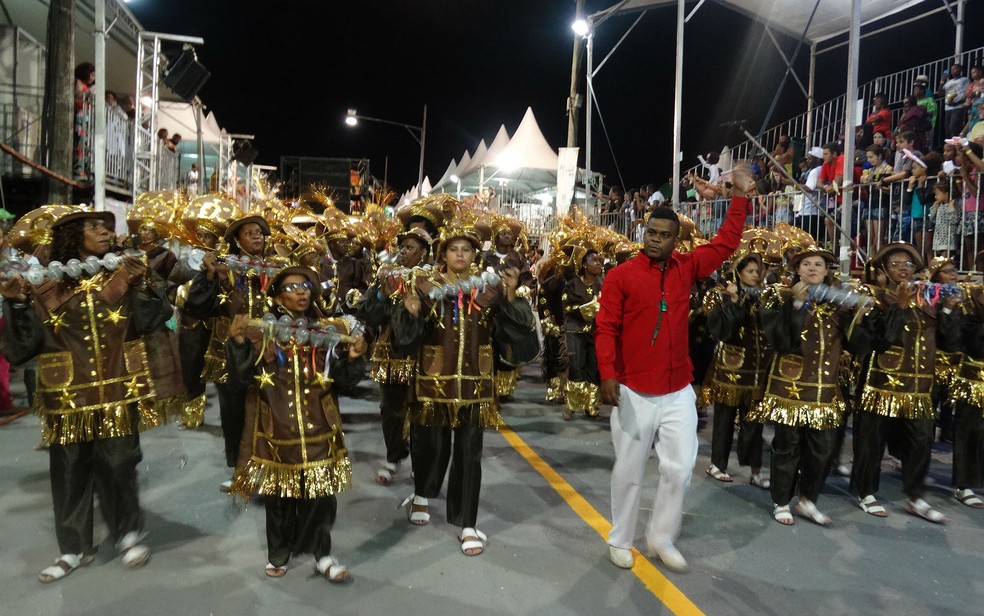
x=352, y=119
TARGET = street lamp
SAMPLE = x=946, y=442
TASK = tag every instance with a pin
x=580, y=27
x=419, y=133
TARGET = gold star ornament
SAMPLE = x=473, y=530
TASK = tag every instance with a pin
x=264, y=378
x=793, y=390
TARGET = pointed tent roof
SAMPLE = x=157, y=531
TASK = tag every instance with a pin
x=425, y=187
x=498, y=145
x=477, y=160
x=446, y=178
x=527, y=149
x=463, y=164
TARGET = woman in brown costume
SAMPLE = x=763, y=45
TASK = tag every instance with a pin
x=448, y=322
x=293, y=450
x=580, y=307
x=740, y=366
x=803, y=394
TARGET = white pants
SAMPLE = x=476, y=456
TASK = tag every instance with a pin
x=638, y=420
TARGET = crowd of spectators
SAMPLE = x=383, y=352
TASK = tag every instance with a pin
x=915, y=178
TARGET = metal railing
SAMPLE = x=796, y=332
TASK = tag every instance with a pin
x=952, y=225
x=828, y=118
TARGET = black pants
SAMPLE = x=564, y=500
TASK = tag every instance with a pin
x=347, y=380
x=393, y=413
x=800, y=451
x=232, y=412
x=955, y=120
x=298, y=526
x=915, y=442
x=723, y=435
x=192, y=344
x=554, y=356
x=109, y=466
x=583, y=365
x=968, y=446
x=432, y=450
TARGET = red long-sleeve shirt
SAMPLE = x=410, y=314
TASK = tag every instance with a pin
x=630, y=299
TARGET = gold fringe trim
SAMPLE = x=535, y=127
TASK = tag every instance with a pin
x=896, y=404
x=722, y=393
x=193, y=414
x=965, y=390
x=314, y=480
x=214, y=370
x=441, y=414
x=796, y=413
x=505, y=382
x=392, y=370
x=555, y=391
x=64, y=428
x=156, y=413
x=583, y=397
x=947, y=367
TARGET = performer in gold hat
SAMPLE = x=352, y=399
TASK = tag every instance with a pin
x=84, y=324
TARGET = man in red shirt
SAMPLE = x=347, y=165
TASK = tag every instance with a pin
x=880, y=118
x=644, y=364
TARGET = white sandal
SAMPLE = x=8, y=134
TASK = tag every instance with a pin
x=419, y=516
x=809, y=511
x=65, y=564
x=716, y=473
x=781, y=514
x=760, y=481
x=385, y=475
x=332, y=570
x=922, y=509
x=133, y=555
x=870, y=506
x=967, y=497
x=274, y=571
x=472, y=539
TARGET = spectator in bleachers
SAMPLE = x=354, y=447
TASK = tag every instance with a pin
x=655, y=198
x=944, y=212
x=975, y=87
x=918, y=197
x=783, y=152
x=915, y=119
x=709, y=165
x=954, y=94
x=615, y=197
x=85, y=78
x=128, y=107
x=900, y=219
x=172, y=143
x=973, y=218
x=880, y=140
x=975, y=131
x=949, y=167
x=880, y=117
x=809, y=217
x=924, y=98
x=831, y=180
x=879, y=196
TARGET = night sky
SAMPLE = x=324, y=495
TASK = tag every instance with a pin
x=287, y=71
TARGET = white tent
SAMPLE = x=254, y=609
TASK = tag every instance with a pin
x=498, y=145
x=477, y=160
x=180, y=118
x=446, y=178
x=425, y=187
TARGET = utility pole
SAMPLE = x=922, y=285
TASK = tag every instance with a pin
x=574, y=101
x=59, y=97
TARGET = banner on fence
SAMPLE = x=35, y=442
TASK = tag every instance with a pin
x=566, y=176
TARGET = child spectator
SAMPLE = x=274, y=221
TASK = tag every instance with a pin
x=944, y=211
x=879, y=196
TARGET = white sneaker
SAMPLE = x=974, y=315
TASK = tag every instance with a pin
x=225, y=486
x=621, y=557
x=672, y=558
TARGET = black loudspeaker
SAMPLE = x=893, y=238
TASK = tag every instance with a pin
x=245, y=153
x=185, y=76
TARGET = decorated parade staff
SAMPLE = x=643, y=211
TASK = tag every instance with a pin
x=449, y=322
x=580, y=308
x=503, y=255
x=896, y=395
x=802, y=392
x=741, y=363
x=966, y=389
x=218, y=291
x=85, y=326
x=394, y=372
x=293, y=450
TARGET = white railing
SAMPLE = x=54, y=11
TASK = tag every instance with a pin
x=828, y=118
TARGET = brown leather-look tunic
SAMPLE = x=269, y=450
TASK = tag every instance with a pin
x=741, y=359
x=292, y=444
x=92, y=361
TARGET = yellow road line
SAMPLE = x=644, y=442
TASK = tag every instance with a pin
x=657, y=583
